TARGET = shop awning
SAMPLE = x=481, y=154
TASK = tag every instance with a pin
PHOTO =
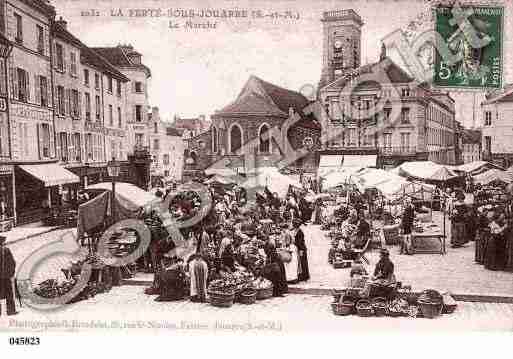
x=51, y=174
x=360, y=160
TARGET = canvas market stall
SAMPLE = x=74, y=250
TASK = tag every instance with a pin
x=494, y=176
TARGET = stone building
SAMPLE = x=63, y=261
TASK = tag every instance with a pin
x=190, y=127
x=497, y=130
x=166, y=148
x=129, y=62
x=471, y=145
x=264, y=125
x=422, y=128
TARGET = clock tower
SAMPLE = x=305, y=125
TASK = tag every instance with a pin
x=341, y=50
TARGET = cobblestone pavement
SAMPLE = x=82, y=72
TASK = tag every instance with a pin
x=128, y=309
x=456, y=271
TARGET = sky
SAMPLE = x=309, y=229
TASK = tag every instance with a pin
x=199, y=71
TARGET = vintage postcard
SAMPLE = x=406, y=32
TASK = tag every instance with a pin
x=255, y=166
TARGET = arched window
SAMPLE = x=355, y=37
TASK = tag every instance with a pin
x=235, y=138
x=265, y=142
x=214, y=140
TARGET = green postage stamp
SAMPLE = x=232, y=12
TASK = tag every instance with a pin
x=473, y=35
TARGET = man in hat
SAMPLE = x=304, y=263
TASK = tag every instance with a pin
x=7, y=269
x=299, y=241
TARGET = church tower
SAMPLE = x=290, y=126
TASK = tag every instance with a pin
x=341, y=50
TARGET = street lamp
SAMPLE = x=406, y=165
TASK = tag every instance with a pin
x=113, y=168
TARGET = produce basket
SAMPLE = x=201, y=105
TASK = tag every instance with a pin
x=430, y=309
x=343, y=308
x=337, y=295
x=221, y=299
x=364, y=308
x=248, y=296
x=380, y=307
x=449, y=304
x=264, y=293
x=407, y=294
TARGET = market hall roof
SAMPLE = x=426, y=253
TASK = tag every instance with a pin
x=262, y=98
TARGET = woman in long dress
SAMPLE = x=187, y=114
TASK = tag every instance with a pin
x=494, y=252
x=458, y=232
x=291, y=267
x=274, y=271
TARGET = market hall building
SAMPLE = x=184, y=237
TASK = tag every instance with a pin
x=238, y=136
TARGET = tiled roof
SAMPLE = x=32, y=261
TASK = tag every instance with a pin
x=118, y=57
x=114, y=55
x=394, y=73
x=262, y=98
x=252, y=104
x=64, y=34
x=91, y=57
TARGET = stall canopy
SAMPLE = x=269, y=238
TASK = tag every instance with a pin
x=494, y=175
x=329, y=163
x=344, y=176
x=51, y=174
x=220, y=180
x=477, y=167
x=360, y=160
x=423, y=170
x=371, y=177
x=128, y=195
x=272, y=179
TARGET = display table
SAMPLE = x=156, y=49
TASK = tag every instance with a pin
x=429, y=232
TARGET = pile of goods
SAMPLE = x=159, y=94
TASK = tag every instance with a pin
x=52, y=288
x=123, y=243
x=223, y=292
x=251, y=257
x=264, y=288
x=404, y=303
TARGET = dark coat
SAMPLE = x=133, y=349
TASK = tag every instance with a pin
x=384, y=269
x=299, y=241
x=7, y=263
x=407, y=219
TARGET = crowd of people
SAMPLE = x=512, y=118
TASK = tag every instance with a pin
x=264, y=238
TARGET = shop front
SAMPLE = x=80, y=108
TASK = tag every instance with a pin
x=7, y=203
x=39, y=187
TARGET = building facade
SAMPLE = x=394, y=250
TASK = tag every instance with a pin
x=190, y=127
x=497, y=130
x=415, y=123
x=471, y=145
x=63, y=114
x=129, y=62
x=264, y=126
x=166, y=148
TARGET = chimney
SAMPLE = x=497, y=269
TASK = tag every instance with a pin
x=62, y=23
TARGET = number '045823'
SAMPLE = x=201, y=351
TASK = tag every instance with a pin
x=24, y=341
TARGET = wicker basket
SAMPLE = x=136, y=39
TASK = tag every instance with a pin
x=380, y=307
x=449, y=308
x=248, y=296
x=344, y=308
x=264, y=293
x=364, y=308
x=391, y=234
x=430, y=309
x=219, y=299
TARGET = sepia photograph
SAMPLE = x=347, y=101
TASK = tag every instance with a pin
x=273, y=167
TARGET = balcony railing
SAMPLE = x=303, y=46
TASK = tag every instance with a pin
x=397, y=150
